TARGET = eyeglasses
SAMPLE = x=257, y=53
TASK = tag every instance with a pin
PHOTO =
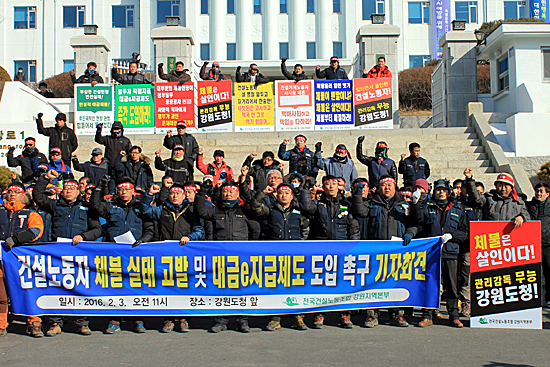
x=70, y=188
x=29, y=145
x=123, y=190
x=215, y=66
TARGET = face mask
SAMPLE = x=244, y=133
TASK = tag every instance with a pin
x=295, y=184
x=91, y=71
x=302, y=170
x=116, y=134
x=230, y=203
x=30, y=150
x=381, y=152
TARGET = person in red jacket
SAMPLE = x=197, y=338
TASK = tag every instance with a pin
x=218, y=169
x=379, y=71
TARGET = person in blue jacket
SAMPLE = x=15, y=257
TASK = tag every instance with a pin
x=339, y=165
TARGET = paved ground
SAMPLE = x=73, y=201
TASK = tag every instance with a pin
x=384, y=345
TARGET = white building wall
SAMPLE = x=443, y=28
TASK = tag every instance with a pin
x=217, y=29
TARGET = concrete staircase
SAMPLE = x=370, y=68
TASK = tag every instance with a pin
x=448, y=150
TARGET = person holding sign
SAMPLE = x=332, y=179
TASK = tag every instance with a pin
x=178, y=75
x=500, y=204
x=378, y=71
x=18, y=224
x=253, y=75
x=333, y=72
x=298, y=73
x=443, y=215
x=132, y=77
x=213, y=74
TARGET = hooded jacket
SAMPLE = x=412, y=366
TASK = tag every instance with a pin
x=20, y=222
x=113, y=146
x=92, y=170
x=87, y=78
x=293, y=76
x=376, y=170
x=174, y=76
x=331, y=73
x=292, y=156
x=139, y=171
x=28, y=162
x=337, y=167
x=494, y=206
x=188, y=142
x=129, y=78
x=258, y=171
x=63, y=138
x=541, y=211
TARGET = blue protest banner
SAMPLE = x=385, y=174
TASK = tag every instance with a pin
x=221, y=278
x=333, y=105
x=538, y=9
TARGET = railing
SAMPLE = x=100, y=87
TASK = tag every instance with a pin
x=438, y=95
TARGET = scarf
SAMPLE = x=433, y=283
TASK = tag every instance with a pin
x=177, y=159
x=230, y=203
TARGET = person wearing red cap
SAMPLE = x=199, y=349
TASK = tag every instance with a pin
x=213, y=74
x=379, y=165
x=300, y=150
x=29, y=160
x=61, y=136
x=339, y=165
x=57, y=164
x=333, y=72
x=178, y=75
x=503, y=203
x=18, y=224
x=175, y=166
x=297, y=75
x=253, y=75
x=381, y=70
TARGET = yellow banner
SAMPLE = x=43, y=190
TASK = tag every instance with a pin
x=254, y=107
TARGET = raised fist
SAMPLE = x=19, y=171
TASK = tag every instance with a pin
x=157, y=153
x=403, y=156
x=364, y=71
x=269, y=190
x=74, y=157
x=122, y=153
x=468, y=173
x=115, y=65
x=161, y=65
x=201, y=150
x=71, y=72
x=39, y=117
x=11, y=149
x=99, y=126
x=238, y=69
x=253, y=155
x=52, y=174
x=360, y=139
x=154, y=189
x=286, y=141
x=284, y=59
x=205, y=63
x=244, y=170
x=318, y=147
x=318, y=67
x=169, y=133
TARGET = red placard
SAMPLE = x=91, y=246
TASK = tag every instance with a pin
x=496, y=245
x=174, y=102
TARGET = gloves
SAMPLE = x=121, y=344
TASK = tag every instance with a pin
x=9, y=243
x=360, y=186
x=137, y=243
x=99, y=126
x=206, y=186
x=39, y=117
x=416, y=196
x=318, y=147
x=284, y=59
x=205, y=63
x=360, y=139
x=446, y=237
x=310, y=182
x=11, y=149
x=407, y=239
x=238, y=69
x=104, y=182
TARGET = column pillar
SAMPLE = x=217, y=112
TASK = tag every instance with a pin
x=323, y=34
x=297, y=29
x=91, y=47
x=173, y=41
x=218, y=46
x=245, y=10
x=270, y=21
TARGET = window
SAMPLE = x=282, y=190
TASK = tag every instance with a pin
x=29, y=69
x=257, y=7
x=336, y=8
x=311, y=50
x=503, y=80
x=419, y=12
x=167, y=8
x=231, y=51
x=337, y=49
x=419, y=61
x=514, y=9
x=546, y=64
x=24, y=17
x=372, y=7
x=68, y=65
x=205, y=51
x=73, y=16
x=204, y=7
x=282, y=7
x=230, y=6
x=123, y=16
x=283, y=50
x=257, y=51
x=310, y=6
x=466, y=10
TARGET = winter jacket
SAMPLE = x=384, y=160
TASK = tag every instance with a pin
x=210, y=75
x=87, y=78
x=228, y=224
x=293, y=76
x=212, y=169
x=436, y=221
x=378, y=72
x=258, y=172
x=92, y=170
x=139, y=171
x=331, y=74
x=376, y=170
x=331, y=166
x=62, y=138
x=188, y=141
x=129, y=78
x=174, y=222
x=46, y=94
x=292, y=156
x=541, y=211
x=122, y=218
x=68, y=219
x=179, y=171
x=47, y=220
x=386, y=218
x=113, y=146
x=473, y=213
x=28, y=162
x=282, y=224
x=247, y=77
x=494, y=206
x=174, y=76
x=412, y=169
x=60, y=167
x=19, y=77
x=20, y=222
x=330, y=218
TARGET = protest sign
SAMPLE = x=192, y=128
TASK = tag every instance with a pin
x=333, y=105
x=294, y=105
x=92, y=106
x=373, y=103
x=134, y=107
x=174, y=102
x=214, y=106
x=254, y=107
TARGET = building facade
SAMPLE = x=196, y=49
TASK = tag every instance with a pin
x=36, y=34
